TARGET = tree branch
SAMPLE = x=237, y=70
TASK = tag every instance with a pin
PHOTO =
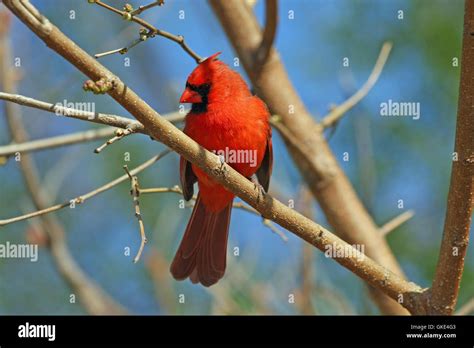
x=450, y=266
x=82, y=198
x=396, y=222
x=238, y=205
x=339, y=111
x=317, y=164
x=119, y=135
x=271, y=20
x=143, y=8
x=135, y=192
x=52, y=142
x=179, y=39
x=373, y=273
x=129, y=125
x=95, y=117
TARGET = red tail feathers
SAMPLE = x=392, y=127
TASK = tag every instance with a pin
x=202, y=252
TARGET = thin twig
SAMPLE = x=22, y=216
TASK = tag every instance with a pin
x=269, y=223
x=108, y=7
x=119, y=134
x=266, y=222
x=61, y=140
x=95, y=117
x=173, y=189
x=121, y=50
x=135, y=192
x=143, y=36
x=59, y=110
x=238, y=205
x=106, y=119
x=179, y=39
x=81, y=199
x=143, y=8
x=396, y=222
x=336, y=113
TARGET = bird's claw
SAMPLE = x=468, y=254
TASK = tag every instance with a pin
x=257, y=186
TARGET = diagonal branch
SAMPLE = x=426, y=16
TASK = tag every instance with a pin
x=373, y=273
x=340, y=110
x=52, y=142
x=152, y=31
x=238, y=205
x=461, y=189
x=82, y=198
x=396, y=222
x=95, y=117
x=129, y=125
x=143, y=8
x=118, y=135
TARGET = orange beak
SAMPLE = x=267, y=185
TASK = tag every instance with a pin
x=190, y=96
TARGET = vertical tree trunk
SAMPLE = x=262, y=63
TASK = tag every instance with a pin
x=461, y=190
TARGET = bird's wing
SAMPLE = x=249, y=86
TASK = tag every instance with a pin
x=187, y=178
x=264, y=172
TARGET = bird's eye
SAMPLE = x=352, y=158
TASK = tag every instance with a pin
x=203, y=89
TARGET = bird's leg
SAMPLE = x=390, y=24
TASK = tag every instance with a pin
x=257, y=186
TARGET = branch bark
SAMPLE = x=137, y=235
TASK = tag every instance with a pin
x=89, y=135
x=152, y=31
x=95, y=117
x=162, y=130
x=450, y=266
x=328, y=183
x=269, y=33
x=60, y=140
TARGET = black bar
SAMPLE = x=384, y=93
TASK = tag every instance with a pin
x=136, y=330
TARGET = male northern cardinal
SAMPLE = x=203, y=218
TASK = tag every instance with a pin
x=225, y=118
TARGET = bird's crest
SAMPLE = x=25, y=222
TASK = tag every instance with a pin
x=203, y=72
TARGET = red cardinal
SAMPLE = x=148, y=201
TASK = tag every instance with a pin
x=227, y=119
